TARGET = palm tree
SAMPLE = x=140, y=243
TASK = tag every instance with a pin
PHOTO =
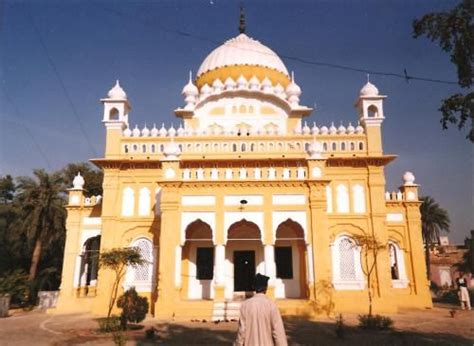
x=434, y=219
x=42, y=214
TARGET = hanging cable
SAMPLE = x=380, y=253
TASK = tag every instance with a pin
x=182, y=33
x=27, y=130
x=61, y=83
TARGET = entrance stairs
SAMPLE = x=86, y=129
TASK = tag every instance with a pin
x=229, y=310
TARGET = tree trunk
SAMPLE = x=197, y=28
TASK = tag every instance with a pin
x=35, y=260
x=427, y=261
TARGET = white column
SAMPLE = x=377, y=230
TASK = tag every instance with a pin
x=309, y=263
x=270, y=268
x=177, y=269
x=219, y=265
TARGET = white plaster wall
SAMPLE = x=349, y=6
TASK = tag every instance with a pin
x=289, y=288
x=128, y=201
x=230, y=120
x=358, y=199
x=198, y=200
x=95, y=221
x=251, y=199
x=198, y=289
x=289, y=199
x=342, y=198
x=144, y=202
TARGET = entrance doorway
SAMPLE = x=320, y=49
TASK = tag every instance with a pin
x=244, y=270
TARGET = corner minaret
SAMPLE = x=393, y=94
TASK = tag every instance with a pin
x=116, y=108
x=370, y=109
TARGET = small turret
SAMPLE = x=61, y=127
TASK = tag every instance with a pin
x=116, y=107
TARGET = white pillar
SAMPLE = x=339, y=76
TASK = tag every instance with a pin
x=270, y=268
x=309, y=263
x=177, y=269
x=219, y=265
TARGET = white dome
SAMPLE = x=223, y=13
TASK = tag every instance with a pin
x=117, y=93
x=369, y=90
x=242, y=50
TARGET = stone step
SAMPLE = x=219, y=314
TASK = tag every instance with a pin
x=226, y=310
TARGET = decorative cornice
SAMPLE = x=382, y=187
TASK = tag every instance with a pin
x=360, y=161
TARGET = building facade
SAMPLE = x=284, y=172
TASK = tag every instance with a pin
x=245, y=185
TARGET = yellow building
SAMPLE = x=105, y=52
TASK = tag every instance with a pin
x=242, y=186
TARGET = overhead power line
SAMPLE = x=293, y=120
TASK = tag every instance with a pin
x=61, y=82
x=27, y=130
x=190, y=35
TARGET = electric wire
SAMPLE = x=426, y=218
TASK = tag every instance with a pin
x=61, y=82
x=190, y=35
x=27, y=130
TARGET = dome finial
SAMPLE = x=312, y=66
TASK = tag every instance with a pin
x=190, y=76
x=368, y=77
x=242, y=19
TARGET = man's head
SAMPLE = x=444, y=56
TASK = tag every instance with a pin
x=261, y=283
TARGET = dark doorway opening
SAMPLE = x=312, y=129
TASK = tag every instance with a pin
x=244, y=270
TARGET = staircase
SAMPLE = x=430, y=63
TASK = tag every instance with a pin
x=226, y=311
x=230, y=309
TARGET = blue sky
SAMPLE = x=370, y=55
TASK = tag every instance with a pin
x=89, y=44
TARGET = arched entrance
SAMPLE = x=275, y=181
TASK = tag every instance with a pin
x=290, y=261
x=244, y=256
x=198, y=258
x=89, y=265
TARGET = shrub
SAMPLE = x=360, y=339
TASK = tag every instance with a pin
x=15, y=283
x=109, y=324
x=134, y=307
x=375, y=322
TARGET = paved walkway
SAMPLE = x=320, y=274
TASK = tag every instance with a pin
x=428, y=327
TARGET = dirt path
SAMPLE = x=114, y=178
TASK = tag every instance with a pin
x=428, y=327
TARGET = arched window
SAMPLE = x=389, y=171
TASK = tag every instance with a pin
x=361, y=146
x=397, y=266
x=334, y=146
x=141, y=276
x=342, y=199
x=144, y=202
x=128, y=201
x=372, y=112
x=343, y=146
x=114, y=114
x=358, y=199
x=346, y=266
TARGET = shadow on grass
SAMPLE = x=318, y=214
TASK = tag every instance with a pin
x=299, y=332
x=303, y=332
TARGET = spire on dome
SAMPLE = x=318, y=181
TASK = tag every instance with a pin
x=242, y=19
x=117, y=92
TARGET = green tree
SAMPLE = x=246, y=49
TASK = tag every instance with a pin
x=8, y=214
x=434, y=219
x=93, y=177
x=454, y=32
x=118, y=260
x=42, y=215
x=7, y=189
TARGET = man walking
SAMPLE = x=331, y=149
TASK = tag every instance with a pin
x=260, y=322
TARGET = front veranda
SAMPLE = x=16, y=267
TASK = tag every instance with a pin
x=206, y=268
